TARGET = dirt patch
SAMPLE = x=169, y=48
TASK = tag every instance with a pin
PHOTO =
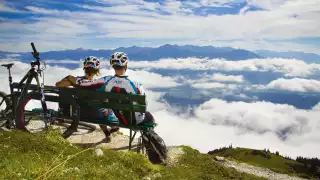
x=117, y=141
x=174, y=154
x=258, y=171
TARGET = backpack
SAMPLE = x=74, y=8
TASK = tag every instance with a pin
x=156, y=148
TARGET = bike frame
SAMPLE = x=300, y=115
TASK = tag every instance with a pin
x=31, y=74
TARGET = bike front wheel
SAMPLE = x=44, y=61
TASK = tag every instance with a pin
x=31, y=119
x=26, y=118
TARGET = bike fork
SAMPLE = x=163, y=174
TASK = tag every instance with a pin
x=46, y=114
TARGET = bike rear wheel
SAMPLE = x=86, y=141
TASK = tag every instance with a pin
x=5, y=107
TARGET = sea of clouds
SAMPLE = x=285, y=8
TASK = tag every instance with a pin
x=216, y=122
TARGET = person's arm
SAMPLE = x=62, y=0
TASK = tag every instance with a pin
x=67, y=81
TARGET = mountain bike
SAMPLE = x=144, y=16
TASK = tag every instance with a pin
x=13, y=107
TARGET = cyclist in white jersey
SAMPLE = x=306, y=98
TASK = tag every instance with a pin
x=120, y=82
x=91, y=67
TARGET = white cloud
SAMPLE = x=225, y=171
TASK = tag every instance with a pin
x=213, y=85
x=253, y=125
x=266, y=24
x=290, y=67
x=46, y=11
x=126, y=17
x=216, y=122
x=266, y=4
x=68, y=61
x=316, y=107
x=218, y=3
x=6, y=8
x=153, y=80
x=120, y=2
x=295, y=84
x=227, y=78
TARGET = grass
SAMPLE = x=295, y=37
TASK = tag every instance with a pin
x=48, y=156
x=266, y=160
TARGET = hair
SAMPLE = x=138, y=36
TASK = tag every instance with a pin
x=91, y=71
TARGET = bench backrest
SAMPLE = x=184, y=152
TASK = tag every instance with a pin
x=97, y=99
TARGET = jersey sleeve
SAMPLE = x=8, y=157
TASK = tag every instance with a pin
x=106, y=80
x=141, y=90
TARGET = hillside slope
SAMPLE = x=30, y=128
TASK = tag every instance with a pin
x=48, y=156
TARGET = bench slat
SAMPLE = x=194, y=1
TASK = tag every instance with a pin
x=98, y=95
x=109, y=105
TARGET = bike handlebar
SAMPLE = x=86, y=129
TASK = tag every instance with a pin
x=34, y=48
x=35, y=52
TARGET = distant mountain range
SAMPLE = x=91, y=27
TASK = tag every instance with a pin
x=150, y=54
x=169, y=51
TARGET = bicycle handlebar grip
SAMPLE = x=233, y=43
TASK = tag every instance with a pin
x=34, y=48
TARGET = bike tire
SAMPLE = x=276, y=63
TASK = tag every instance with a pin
x=7, y=101
x=20, y=119
x=20, y=110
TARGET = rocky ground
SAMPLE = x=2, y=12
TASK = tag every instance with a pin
x=118, y=141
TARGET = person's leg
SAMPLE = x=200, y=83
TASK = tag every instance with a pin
x=105, y=130
x=141, y=118
x=114, y=129
x=148, y=117
x=108, y=115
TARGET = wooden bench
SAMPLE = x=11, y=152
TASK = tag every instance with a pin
x=129, y=103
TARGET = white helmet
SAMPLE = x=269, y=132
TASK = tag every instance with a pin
x=91, y=61
x=119, y=59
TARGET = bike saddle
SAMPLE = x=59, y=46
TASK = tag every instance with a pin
x=7, y=65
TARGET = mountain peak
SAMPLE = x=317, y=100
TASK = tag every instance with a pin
x=168, y=46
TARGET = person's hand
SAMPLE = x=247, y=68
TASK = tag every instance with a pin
x=67, y=82
x=72, y=80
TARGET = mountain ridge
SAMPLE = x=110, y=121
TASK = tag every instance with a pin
x=149, y=53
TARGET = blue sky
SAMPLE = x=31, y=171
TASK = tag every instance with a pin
x=279, y=25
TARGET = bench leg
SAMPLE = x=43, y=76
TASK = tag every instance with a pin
x=140, y=144
x=74, y=125
x=131, y=138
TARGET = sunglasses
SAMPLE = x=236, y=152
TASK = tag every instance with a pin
x=90, y=64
